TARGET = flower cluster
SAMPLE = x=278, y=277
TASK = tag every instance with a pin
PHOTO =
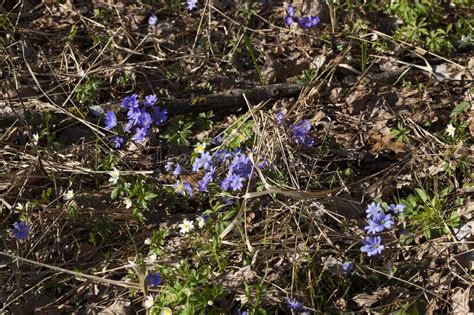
x=239, y=169
x=305, y=22
x=378, y=221
x=140, y=117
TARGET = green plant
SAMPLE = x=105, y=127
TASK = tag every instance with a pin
x=307, y=76
x=88, y=91
x=178, y=131
x=401, y=133
x=429, y=213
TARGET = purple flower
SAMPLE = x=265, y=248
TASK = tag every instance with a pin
x=159, y=116
x=130, y=101
x=241, y=165
x=110, y=120
x=20, y=230
x=145, y=120
x=305, y=22
x=373, y=210
x=177, y=170
x=133, y=115
x=242, y=312
x=294, y=304
x=150, y=100
x=379, y=222
x=279, y=117
x=398, y=208
x=299, y=133
x=140, y=134
x=372, y=246
x=204, y=161
x=217, y=140
x=236, y=182
x=221, y=155
x=128, y=126
x=225, y=183
x=373, y=227
x=191, y=4
x=205, y=180
x=290, y=18
x=347, y=266
x=152, y=20
x=153, y=279
x=314, y=20
x=117, y=141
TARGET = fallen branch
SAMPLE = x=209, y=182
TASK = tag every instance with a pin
x=34, y=111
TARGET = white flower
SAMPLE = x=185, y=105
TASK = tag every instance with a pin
x=186, y=227
x=114, y=175
x=127, y=202
x=166, y=311
x=200, y=222
x=35, y=138
x=149, y=301
x=19, y=206
x=450, y=130
x=200, y=147
x=147, y=241
x=68, y=195
x=151, y=259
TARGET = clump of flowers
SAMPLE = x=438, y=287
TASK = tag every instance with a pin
x=305, y=22
x=378, y=221
x=141, y=115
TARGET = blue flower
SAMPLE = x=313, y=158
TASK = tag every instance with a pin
x=133, y=115
x=205, y=180
x=177, y=170
x=290, y=18
x=299, y=133
x=398, y=208
x=140, y=134
x=145, y=120
x=314, y=20
x=241, y=165
x=152, y=20
x=191, y=4
x=20, y=230
x=379, y=222
x=153, y=279
x=128, y=126
x=204, y=161
x=372, y=246
x=242, y=312
x=305, y=22
x=236, y=182
x=294, y=304
x=150, y=100
x=130, y=101
x=347, y=266
x=117, y=141
x=221, y=155
x=217, y=140
x=373, y=210
x=160, y=116
x=110, y=120
x=279, y=117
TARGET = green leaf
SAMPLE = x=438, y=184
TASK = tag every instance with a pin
x=422, y=194
x=460, y=108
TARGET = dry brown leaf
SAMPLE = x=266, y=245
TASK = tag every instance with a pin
x=367, y=300
x=460, y=300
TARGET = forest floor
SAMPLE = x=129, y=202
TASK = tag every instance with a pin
x=164, y=157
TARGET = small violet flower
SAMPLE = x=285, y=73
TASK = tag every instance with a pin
x=290, y=17
x=398, y=208
x=153, y=279
x=372, y=246
x=299, y=133
x=20, y=230
x=347, y=266
x=294, y=304
x=177, y=170
x=160, y=116
x=140, y=134
x=191, y=4
x=130, y=102
x=150, y=100
x=152, y=20
x=110, y=120
x=117, y=141
x=279, y=117
x=373, y=210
